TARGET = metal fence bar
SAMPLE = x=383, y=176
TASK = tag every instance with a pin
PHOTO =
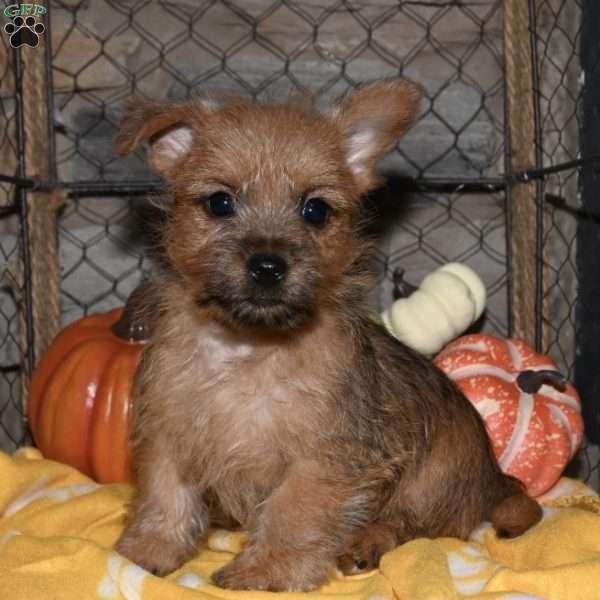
x=587, y=373
x=26, y=300
x=480, y=184
x=539, y=185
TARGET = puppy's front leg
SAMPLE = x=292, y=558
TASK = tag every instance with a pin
x=300, y=530
x=167, y=517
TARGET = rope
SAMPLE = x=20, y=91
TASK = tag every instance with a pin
x=45, y=272
x=519, y=88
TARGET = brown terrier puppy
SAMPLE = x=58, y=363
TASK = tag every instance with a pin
x=267, y=395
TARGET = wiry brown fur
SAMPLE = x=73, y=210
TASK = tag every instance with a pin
x=288, y=410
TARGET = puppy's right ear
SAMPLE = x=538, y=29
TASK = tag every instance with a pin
x=167, y=127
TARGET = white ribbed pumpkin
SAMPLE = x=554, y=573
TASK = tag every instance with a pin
x=448, y=301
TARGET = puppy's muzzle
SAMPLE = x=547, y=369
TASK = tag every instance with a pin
x=267, y=270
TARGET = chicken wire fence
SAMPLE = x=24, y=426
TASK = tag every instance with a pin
x=451, y=178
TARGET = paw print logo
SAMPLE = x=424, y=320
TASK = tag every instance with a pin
x=24, y=32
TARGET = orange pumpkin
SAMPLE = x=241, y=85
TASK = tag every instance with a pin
x=80, y=397
x=533, y=416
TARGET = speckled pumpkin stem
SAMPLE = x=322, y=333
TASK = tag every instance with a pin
x=135, y=325
x=402, y=289
x=531, y=381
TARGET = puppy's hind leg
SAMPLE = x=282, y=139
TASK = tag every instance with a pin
x=167, y=517
x=301, y=529
x=516, y=512
x=365, y=549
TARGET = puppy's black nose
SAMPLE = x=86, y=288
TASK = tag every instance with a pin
x=267, y=269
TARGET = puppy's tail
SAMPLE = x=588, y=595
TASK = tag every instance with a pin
x=516, y=512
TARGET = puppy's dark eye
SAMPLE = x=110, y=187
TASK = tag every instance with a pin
x=316, y=211
x=220, y=204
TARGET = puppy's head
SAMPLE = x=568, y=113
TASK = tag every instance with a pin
x=267, y=197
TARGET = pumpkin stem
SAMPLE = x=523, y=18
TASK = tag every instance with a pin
x=531, y=381
x=402, y=289
x=134, y=325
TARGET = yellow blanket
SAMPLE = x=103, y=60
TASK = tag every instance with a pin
x=57, y=529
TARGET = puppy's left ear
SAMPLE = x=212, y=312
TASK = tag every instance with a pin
x=372, y=119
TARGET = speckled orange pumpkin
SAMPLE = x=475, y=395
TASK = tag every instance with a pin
x=533, y=416
x=80, y=397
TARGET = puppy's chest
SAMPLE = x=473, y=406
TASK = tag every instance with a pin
x=255, y=404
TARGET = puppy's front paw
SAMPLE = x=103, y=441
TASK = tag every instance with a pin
x=239, y=577
x=246, y=573
x=153, y=553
